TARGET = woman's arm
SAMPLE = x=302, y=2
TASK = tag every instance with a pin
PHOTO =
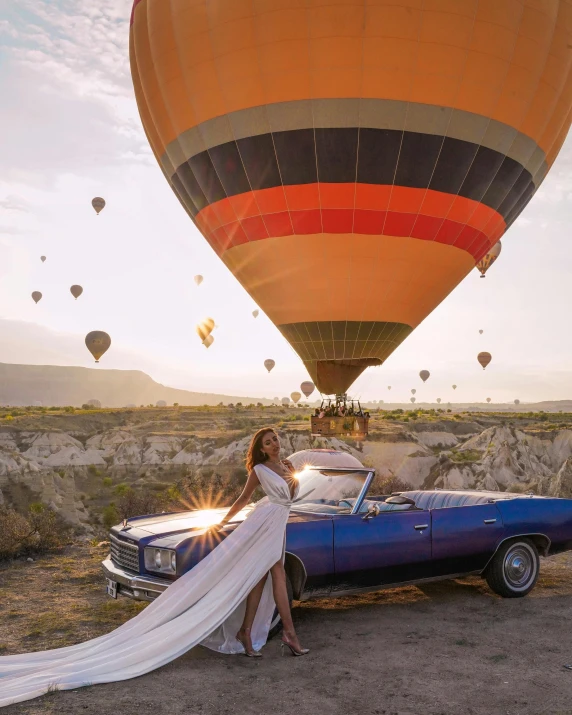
x=244, y=498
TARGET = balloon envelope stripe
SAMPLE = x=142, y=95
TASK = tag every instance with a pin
x=383, y=157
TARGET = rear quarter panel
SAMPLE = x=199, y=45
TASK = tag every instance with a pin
x=552, y=517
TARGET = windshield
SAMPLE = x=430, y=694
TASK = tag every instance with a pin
x=327, y=491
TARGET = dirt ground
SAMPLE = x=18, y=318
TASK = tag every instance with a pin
x=449, y=648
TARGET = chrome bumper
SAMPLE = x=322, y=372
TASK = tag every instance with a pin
x=141, y=588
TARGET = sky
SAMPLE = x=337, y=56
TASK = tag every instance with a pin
x=71, y=131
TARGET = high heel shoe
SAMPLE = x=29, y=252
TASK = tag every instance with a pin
x=302, y=651
x=250, y=654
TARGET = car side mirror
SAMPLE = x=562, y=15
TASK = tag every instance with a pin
x=372, y=510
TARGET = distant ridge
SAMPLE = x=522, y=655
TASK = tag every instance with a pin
x=54, y=385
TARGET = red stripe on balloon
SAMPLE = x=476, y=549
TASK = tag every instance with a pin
x=329, y=208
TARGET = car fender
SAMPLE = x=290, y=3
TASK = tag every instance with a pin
x=296, y=572
x=541, y=541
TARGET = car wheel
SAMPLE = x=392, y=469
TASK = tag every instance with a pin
x=513, y=572
x=277, y=627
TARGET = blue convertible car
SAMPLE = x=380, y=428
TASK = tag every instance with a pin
x=341, y=539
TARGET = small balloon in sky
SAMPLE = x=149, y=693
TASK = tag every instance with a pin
x=412, y=399
x=413, y=391
x=269, y=364
x=484, y=359
x=517, y=402
x=43, y=259
x=98, y=204
x=424, y=375
x=439, y=400
x=198, y=279
x=36, y=296
x=255, y=313
x=307, y=388
x=208, y=341
x=454, y=387
x=76, y=291
x=97, y=342
x=295, y=397
x=481, y=332
x=487, y=261
x=488, y=399
x=205, y=328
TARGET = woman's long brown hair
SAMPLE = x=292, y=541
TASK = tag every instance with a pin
x=255, y=455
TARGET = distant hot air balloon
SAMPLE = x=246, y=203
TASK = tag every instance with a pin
x=424, y=374
x=488, y=399
x=295, y=397
x=269, y=364
x=208, y=341
x=76, y=291
x=285, y=400
x=160, y=403
x=276, y=400
x=205, y=328
x=307, y=388
x=42, y=258
x=480, y=332
x=517, y=402
x=413, y=391
x=412, y=399
x=487, y=261
x=454, y=387
x=439, y=400
x=198, y=279
x=255, y=313
x=98, y=204
x=97, y=343
x=36, y=296
x=403, y=170
x=484, y=359
x=389, y=387
x=94, y=403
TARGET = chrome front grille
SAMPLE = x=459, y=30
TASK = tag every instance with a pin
x=124, y=554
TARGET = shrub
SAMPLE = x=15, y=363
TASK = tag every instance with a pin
x=107, y=481
x=40, y=530
x=121, y=489
x=110, y=516
x=8, y=418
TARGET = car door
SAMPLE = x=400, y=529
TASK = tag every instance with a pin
x=392, y=547
x=464, y=537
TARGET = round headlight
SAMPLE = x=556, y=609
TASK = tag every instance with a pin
x=158, y=558
x=174, y=561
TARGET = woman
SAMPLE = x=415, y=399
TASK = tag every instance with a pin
x=226, y=602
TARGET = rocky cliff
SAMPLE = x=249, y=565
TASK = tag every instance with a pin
x=77, y=463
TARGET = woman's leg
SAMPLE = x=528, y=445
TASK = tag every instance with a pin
x=252, y=602
x=281, y=598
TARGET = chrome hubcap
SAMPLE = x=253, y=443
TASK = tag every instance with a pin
x=519, y=567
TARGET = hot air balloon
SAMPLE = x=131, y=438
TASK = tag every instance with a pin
x=487, y=260
x=208, y=341
x=269, y=364
x=412, y=399
x=488, y=399
x=480, y=332
x=276, y=400
x=517, y=402
x=36, y=296
x=205, y=328
x=97, y=343
x=285, y=401
x=160, y=403
x=413, y=391
x=76, y=291
x=438, y=400
x=484, y=359
x=307, y=388
x=295, y=397
x=94, y=403
x=398, y=143
x=424, y=374
x=198, y=279
x=255, y=313
x=98, y=204
x=454, y=387
x=43, y=259
x=389, y=387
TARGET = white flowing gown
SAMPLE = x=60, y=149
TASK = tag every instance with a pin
x=204, y=606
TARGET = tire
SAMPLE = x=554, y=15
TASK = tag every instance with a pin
x=277, y=627
x=513, y=572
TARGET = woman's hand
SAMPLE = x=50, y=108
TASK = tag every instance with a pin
x=288, y=464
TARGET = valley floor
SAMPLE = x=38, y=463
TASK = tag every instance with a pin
x=449, y=648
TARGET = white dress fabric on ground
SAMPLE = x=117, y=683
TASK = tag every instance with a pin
x=204, y=606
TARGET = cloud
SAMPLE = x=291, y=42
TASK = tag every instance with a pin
x=14, y=203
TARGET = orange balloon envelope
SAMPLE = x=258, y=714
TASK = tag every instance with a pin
x=76, y=291
x=97, y=343
x=98, y=204
x=487, y=261
x=484, y=359
x=349, y=163
x=205, y=328
x=36, y=296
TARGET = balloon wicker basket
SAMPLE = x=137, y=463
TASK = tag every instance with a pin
x=340, y=418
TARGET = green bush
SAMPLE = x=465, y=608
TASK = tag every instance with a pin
x=107, y=481
x=40, y=530
x=110, y=516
